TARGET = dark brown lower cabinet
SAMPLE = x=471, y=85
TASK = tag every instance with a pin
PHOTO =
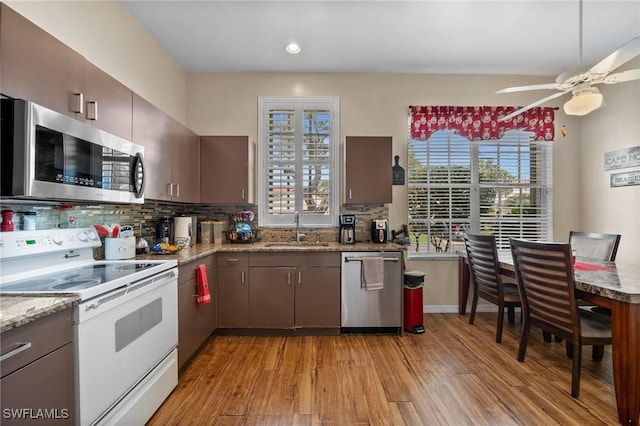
x=233, y=290
x=294, y=290
x=317, y=295
x=195, y=322
x=271, y=297
x=37, y=384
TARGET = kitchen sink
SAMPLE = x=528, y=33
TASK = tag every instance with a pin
x=296, y=244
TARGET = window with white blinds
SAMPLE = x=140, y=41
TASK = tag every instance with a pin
x=500, y=187
x=298, y=161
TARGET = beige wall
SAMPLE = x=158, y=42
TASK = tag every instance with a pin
x=374, y=104
x=612, y=127
x=108, y=35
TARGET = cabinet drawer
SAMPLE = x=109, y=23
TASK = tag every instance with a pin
x=233, y=259
x=187, y=271
x=295, y=259
x=44, y=335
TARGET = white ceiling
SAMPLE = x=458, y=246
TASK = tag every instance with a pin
x=530, y=37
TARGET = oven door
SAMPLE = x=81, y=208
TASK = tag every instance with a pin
x=120, y=337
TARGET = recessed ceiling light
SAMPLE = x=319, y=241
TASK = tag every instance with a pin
x=292, y=48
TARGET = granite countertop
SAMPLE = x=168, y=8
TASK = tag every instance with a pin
x=19, y=310
x=201, y=250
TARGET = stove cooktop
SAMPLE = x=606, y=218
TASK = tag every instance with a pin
x=60, y=261
x=77, y=278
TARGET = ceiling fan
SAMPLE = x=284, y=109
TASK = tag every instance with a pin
x=580, y=81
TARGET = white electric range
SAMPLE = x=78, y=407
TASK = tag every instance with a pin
x=125, y=325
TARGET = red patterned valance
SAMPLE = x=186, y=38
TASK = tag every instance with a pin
x=480, y=123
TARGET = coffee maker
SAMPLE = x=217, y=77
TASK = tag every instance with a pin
x=379, y=230
x=347, y=232
x=164, y=231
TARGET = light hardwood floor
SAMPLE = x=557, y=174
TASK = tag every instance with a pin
x=453, y=374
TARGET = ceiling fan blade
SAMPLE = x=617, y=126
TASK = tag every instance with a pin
x=617, y=58
x=550, y=86
x=621, y=77
x=535, y=104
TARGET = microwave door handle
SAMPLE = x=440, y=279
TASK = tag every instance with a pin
x=137, y=176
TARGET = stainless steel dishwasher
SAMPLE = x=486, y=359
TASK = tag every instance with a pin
x=378, y=311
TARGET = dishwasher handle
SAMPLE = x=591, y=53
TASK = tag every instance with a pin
x=359, y=259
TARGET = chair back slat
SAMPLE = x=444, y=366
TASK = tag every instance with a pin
x=483, y=264
x=547, y=285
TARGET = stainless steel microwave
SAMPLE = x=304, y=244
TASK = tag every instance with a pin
x=47, y=155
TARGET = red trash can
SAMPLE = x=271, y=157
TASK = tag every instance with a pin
x=413, y=315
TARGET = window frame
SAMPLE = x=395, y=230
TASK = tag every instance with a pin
x=267, y=103
x=453, y=240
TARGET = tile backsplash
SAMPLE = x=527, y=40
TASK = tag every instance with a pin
x=143, y=217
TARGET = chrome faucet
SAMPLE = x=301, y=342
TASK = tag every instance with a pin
x=296, y=219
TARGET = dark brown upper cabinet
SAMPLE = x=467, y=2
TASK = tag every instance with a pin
x=227, y=170
x=367, y=170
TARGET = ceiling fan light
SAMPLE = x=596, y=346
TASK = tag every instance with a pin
x=582, y=103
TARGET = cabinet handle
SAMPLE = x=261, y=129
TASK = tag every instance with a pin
x=299, y=278
x=242, y=277
x=289, y=278
x=242, y=193
x=349, y=193
x=23, y=347
x=92, y=110
x=233, y=260
x=169, y=189
x=177, y=190
x=77, y=103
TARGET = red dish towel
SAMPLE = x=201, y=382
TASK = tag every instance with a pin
x=203, y=286
x=579, y=266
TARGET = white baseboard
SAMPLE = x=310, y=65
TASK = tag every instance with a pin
x=453, y=309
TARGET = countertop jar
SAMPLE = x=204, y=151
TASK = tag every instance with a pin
x=29, y=221
x=7, y=221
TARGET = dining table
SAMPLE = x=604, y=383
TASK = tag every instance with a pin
x=613, y=285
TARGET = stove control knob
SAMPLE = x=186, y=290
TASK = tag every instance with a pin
x=92, y=235
x=57, y=239
x=82, y=236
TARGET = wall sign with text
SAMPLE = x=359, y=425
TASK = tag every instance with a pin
x=625, y=179
x=622, y=158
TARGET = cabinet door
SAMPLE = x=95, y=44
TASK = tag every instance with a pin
x=47, y=383
x=36, y=66
x=271, y=297
x=150, y=128
x=233, y=297
x=185, y=165
x=368, y=170
x=226, y=170
x=187, y=321
x=110, y=100
x=317, y=296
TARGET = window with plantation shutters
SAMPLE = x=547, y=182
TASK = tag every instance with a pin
x=298, y=156
x=501, y=187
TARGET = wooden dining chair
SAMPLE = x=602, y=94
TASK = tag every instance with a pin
x=547, y=286
x=595, y=245
x=487, y=281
